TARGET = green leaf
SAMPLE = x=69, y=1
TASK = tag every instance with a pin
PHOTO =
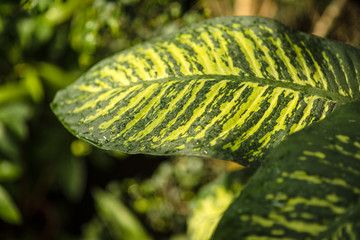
x=8, y=211
x=33, y=84
x=14, y=117
x=10, y=92
x=121, y=222
x=71, y=173
x=345, y=227
x=230, y=88
x=309, y=185
x=9, y=171
x=212, y=201
x=13, y=128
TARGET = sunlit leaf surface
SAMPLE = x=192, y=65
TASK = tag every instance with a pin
x=230, y=88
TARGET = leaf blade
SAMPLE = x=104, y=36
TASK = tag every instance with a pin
x=9, y=211
x=203, y=84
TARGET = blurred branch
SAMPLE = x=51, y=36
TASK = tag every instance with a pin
x=245, y=7
x=12, y=92
x=325, y=23
x=219, y=8
x=265, y=8
x=268, y=8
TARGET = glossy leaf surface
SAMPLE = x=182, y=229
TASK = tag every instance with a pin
x=230, y=88
x=308, y=187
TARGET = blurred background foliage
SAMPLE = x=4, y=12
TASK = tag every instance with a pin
x=53, y=186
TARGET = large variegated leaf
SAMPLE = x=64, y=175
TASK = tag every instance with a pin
x=307, y=188
x=229, y=88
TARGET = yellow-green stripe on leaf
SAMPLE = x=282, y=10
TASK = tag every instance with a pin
x=230, y=88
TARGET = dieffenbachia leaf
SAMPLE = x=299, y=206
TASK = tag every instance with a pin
x=211, y=202
x=308, y=187
x=230, y=88
x=345, y=227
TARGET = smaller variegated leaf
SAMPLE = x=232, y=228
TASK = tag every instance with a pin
x=345, y=227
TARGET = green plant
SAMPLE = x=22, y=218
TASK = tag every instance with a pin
x=235, y=88
x=44, y=46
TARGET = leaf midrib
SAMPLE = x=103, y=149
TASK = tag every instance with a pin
x=307, y=90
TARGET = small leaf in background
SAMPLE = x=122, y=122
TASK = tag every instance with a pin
x=33, y=84
x=12, y=92
x=32, y=5
x=94, y=230
x=230, y=88
x=120, y=221
x=8, y=148
x=13, y=128
x=212, y=201
x=55, y=76
x=8, y=210
x=80, y=148
x=9, y=171
x=14, y=117
x=25, y=28
x=308, y=187
x=72, y=177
